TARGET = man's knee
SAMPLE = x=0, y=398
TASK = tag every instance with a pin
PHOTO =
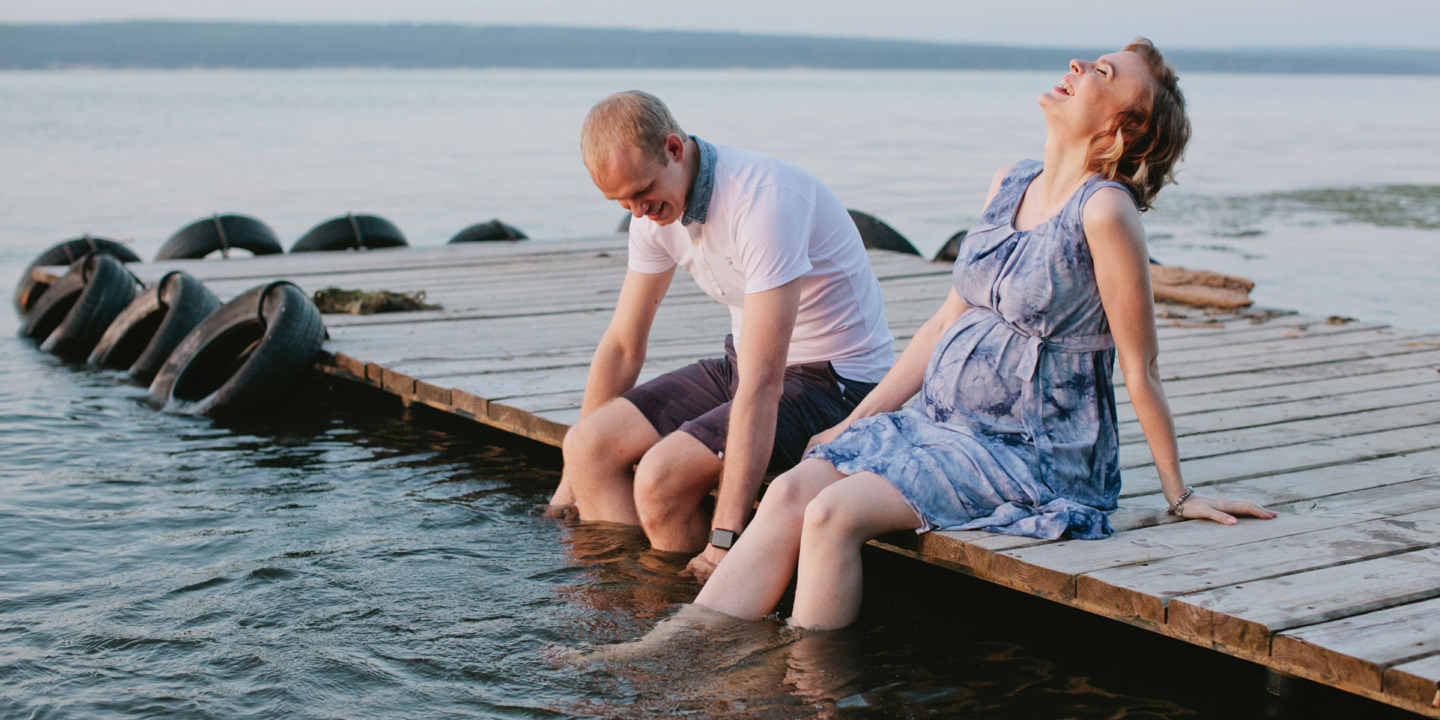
x=678, y=470
x=615, y=434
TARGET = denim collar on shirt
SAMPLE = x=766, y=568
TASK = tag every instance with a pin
x=698, y=206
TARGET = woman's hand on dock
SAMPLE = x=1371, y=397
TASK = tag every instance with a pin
x=1221, y=510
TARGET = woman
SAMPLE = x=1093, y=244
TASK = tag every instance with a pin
x=1014, y=429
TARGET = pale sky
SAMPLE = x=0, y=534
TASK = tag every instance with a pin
x=1195, y=24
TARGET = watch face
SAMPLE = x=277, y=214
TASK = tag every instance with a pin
x=723, y=539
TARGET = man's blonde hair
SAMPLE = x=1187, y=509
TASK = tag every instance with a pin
x=632, y=117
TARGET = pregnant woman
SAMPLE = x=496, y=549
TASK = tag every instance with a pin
x=1014, y=429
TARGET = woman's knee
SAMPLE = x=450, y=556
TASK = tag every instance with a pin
x=791, y=491
x=829, y=515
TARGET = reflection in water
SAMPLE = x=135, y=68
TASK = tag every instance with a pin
x=650, y=655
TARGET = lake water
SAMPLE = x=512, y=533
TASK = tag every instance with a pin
x=347, y=559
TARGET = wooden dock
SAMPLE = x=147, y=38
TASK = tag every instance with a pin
x=1335, y=424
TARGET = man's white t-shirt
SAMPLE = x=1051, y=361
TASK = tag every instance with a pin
x=769, y=222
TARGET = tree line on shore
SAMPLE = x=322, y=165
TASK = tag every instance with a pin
x=165, y=44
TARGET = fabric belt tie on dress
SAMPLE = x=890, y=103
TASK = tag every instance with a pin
x=1032, y=396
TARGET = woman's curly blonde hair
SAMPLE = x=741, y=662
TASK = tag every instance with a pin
x=1148, y=139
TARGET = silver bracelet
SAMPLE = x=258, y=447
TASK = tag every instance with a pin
x=1180, y=501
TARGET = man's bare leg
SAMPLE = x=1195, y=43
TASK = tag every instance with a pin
x=672, y=480
x=599, y=454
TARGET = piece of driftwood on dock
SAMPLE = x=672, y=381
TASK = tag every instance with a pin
x=1334, y=424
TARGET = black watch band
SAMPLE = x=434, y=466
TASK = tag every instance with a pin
x=723, y=539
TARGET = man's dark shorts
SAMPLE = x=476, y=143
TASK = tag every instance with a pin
x=696, y=400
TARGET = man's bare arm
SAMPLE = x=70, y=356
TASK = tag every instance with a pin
x=760, y=355
x=621, y=352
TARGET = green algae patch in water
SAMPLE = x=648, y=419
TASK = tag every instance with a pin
x=1407, y=206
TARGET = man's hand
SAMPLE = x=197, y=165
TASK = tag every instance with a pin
x=703, y=565
x=568, y=511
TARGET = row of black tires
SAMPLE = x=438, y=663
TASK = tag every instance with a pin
x=197, y=355
x=223, y=233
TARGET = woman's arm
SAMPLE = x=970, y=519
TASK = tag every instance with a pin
x=1122, y=271
x=903, y=380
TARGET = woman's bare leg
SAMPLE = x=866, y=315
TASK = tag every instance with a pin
x=837, y=523
x=750, y=580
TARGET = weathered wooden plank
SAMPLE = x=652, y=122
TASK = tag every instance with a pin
x=1340, y=450
x=436, y=256
x=1334, y=409
x=1242, y=618
x=1143, y=588
x=1362, y=348
x=668, y=354
x=1415, y=685
x=1052, y=569
x=1356, y=651
x=1208, y=444
x=1268, y=335
x=1289, y=392
x=1405, y=358
x=548, y=403
x=433, y=395
x=525, y=424
x=561, y=417
x=1299, y=343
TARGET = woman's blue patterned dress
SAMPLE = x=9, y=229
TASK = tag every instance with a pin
x=1014, y=429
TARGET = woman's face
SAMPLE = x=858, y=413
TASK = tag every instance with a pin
x=1092, y=93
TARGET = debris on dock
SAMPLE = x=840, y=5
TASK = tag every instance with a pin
x=1199, y=287
x=334, y=300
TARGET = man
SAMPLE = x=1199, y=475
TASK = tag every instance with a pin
x=808, y=328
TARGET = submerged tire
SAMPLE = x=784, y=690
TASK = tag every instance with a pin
x=488, y=231
x=879, y=236
x=220, y=233
x=69, y=319
x=951, y=249
x=350, y=232
x=142, y=337
x=29, y=290
x=246, y=355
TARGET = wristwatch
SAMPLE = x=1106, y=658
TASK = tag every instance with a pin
x=723, y=539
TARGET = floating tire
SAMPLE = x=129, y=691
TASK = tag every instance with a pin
x=29, y=289
x=69, y=319
x=951, y=249
x=879, y=236
x=220, y=233
x=351, y=232
x=246, y=355
x=487, y=232
x=142, y=337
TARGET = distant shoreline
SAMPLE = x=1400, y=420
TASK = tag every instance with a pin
x=199, y=45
